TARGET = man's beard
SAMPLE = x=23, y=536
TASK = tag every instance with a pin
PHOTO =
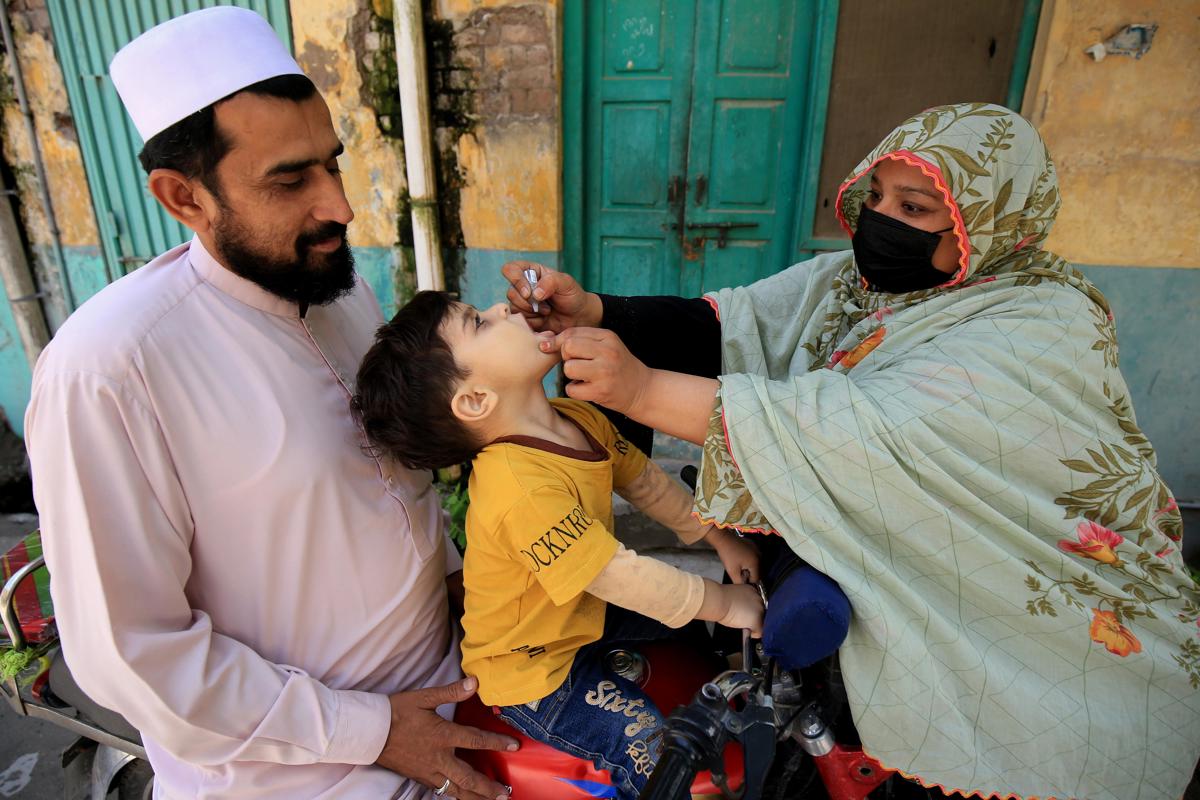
x=308, y=279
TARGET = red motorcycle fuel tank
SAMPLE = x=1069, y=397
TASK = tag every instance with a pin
x=671, y=675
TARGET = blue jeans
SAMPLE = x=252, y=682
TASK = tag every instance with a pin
x=598, y=715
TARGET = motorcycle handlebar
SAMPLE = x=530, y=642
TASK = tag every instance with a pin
x=673, y=776
x=694, y=736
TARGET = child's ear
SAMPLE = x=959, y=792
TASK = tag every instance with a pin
x=473, y=405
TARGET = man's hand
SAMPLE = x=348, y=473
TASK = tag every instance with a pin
x=421, y=744
x=599, y=367
x=736, y=554
x=562, y=302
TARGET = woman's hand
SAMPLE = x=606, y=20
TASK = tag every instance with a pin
x=603, y=371
x=562, y=302
x=737, y=554
x=599, y=367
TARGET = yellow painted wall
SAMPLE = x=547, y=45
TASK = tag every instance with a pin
x=511, y=164
x=372, y=166
x=1124, y=133
x=63, y=160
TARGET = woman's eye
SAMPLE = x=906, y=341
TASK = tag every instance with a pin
x=911, y=209
x=478, y=322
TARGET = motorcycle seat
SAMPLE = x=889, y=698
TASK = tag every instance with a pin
x=64, y=687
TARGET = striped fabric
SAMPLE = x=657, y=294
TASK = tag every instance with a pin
x=34, y=609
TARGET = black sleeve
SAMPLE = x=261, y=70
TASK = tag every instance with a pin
x=671, y=333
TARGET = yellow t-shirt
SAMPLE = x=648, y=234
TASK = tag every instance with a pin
x=538, y=532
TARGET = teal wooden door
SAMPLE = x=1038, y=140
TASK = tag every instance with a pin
x=693, y=115
x=133, y=227
x=639, y=95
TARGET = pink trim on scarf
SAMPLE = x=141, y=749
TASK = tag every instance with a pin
x=713, y=303
x=960, y=227
x=967, y=793
x=726, y=527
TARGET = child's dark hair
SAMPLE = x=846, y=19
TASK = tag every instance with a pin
x=405, y=384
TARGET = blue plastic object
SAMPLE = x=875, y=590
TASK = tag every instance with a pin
x=807, y=618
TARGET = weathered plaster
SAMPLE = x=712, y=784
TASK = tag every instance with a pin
x=373, y=165
x=449, y=9
x=56, y=134
x=510, y=162
x=1124, y=134
x=511, y=200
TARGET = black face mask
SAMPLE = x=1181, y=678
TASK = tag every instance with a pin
x=896, y=257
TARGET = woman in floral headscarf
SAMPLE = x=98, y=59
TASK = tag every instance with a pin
x=936, y=420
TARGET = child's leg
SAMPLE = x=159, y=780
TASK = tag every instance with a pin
x=599, y=716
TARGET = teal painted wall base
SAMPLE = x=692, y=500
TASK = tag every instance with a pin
x=482, y=285
x=15, y=374
x=379, y=268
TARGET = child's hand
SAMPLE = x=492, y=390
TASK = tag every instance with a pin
x=745, y=608
x=736, y=554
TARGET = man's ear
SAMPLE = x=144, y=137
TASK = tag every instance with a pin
x=473, y=404
x=183, y=198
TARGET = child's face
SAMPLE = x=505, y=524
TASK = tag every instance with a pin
x=498, y=348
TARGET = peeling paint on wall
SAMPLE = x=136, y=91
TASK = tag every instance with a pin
x=61, y=155
x=56, y=134
x=1124, y=134
x=373, y=165
x=511, y=199
x=505, y=58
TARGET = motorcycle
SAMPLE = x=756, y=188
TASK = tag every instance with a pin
x=108, y=755
x=764, y=729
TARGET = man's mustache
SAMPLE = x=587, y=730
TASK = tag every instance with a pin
x=325, y=232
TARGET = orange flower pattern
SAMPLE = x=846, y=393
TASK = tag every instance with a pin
x=1095, y=542
x=863, y=349
x=1116, y=638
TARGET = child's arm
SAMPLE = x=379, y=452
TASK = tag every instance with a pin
x=665, y=502
x=674, y=597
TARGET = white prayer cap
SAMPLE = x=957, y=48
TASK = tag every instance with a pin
x=192, y=61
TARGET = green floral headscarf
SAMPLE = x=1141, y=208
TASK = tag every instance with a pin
x=965, y=462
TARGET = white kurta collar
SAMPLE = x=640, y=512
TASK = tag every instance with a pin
x=226, y=281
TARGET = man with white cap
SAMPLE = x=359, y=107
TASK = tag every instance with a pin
x=232, y=572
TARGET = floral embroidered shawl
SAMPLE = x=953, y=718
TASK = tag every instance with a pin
x=965, y=462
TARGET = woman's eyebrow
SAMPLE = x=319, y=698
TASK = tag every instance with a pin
x=925, y=192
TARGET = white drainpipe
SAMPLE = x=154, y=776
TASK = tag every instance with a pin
x=418, y=149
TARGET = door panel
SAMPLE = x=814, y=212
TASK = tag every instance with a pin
x=633, y=266
x=692, y=116
x=729, y=265
x=637, y=93
x=742, y=161
x=749, y=82
x=636, y=154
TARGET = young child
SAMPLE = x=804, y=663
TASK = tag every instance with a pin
x=548, y=588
